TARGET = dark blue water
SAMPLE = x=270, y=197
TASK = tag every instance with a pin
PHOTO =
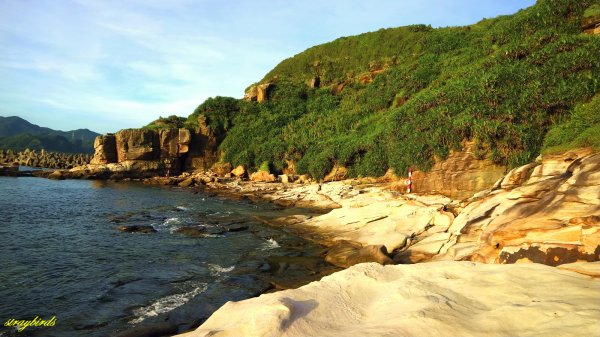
x=61, y=255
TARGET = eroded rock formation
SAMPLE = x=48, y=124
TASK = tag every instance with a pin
x=459, y=176
x=134, y=152
x=258, y=92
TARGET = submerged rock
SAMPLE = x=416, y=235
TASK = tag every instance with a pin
x=137, y=229
x=237, y=227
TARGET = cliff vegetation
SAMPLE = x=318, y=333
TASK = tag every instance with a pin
x=401, y=97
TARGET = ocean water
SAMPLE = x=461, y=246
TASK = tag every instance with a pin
x=61, y=255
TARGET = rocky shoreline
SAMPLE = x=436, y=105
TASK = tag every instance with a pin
x=547, y=212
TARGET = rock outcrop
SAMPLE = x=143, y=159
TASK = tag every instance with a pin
x=552, y=218
x=105, y=150
x=140, y=152
x=546, y=212
x=591, y=25
x=258, y=93
x=432, y=299
x=459, y=176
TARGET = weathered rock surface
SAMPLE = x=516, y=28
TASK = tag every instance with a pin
x=258, y=93
x=347, y=253
x=262, y=176
x=459, y=176
x=431, y=299
x=105, y=150
x=239, y=171
x=140, y=153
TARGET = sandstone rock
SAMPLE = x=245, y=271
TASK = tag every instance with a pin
x=137, y=144
x=303, y=179
x=290, y=168
x=105, y=150
x=221, y=169
x=552, y=219
x=262, y=176
x=346, y=253
x=459, y=176
x=186, y=183
x=337, y=173
x=591, y=25
x=239, y=171
x=443, y=219
x=173, y=143
x=203, y=148
x=57, y=175
x=258, y=93
x=430, y=299
x=517, y=176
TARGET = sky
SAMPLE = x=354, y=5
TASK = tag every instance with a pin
x=106, y=65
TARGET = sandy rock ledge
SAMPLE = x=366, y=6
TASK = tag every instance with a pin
x=450, y=298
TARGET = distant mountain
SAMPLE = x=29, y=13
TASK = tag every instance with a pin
x=18, y=134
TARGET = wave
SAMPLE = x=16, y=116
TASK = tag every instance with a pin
x=270, y=244
x=217, y=270
x=182, y=208
x=172, y=221
x=167, y=303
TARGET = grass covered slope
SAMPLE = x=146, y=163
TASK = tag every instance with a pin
x=403, y=96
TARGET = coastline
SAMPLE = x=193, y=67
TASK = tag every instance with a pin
x=545, y=212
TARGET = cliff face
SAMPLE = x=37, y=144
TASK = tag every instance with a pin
x=459, y=176
x=155, y=151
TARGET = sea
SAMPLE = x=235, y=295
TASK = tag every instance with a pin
x=61, y=256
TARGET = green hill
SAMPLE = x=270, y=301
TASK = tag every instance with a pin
x=404, y=96
x=18, y=134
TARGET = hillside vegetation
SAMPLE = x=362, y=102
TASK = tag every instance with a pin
x=401, y=97
x=18, y=134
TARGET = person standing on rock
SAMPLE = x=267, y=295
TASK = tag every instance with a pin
x=408, y=181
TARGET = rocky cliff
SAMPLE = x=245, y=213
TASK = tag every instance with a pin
x=459, y=176
x=141, y=152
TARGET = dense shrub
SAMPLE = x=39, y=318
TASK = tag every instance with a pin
x=401, y=97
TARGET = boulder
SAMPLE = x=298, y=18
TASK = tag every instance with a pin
x=221, y=169
x=239, y=171
x=262, y=176
x=57, y=175
x=186, y=183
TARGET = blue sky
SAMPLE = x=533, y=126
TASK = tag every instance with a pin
x=112, y=64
